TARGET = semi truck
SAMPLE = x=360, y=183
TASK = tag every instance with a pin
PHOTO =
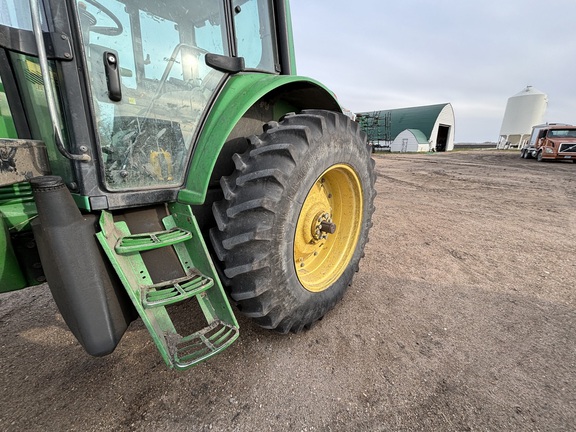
x=551, y=141
x=158, y=153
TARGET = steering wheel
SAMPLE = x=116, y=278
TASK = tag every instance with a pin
x=108, y=31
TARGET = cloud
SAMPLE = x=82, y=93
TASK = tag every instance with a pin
x=473, y=54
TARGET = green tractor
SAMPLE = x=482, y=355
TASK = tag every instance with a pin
x=157, y=152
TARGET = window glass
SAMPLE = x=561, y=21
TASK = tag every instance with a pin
x=146, y=137
x=562, y=133
x=151, y=27
x=255, y=34
x=16, y=13
x=97, y=38
x=31, y=87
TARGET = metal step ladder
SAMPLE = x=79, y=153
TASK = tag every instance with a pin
x=200, y=281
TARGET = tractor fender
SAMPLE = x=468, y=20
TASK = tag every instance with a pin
x=242, y=94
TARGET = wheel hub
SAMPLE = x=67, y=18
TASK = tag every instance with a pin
x=328, y=228
x=322, y=226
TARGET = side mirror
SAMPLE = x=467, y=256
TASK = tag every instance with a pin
x=225, y=63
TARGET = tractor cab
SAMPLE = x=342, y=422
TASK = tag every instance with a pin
x=131, y=91
x=154, y=67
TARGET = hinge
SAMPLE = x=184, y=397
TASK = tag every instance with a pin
x=58, y=46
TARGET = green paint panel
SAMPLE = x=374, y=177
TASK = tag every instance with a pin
x=292, y=53
x=17, y=210
x=11, y=277
x=17, y=207
x=7, y=129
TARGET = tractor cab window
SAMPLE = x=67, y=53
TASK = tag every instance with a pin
x=255, y=34
x=17, y=14
x=150, y=28
x=150, y=84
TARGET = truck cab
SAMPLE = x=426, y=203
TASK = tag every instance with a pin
x=551, y=142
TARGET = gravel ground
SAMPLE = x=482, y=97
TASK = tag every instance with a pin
x=462, y=318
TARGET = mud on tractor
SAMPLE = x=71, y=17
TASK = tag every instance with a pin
x=158, y=152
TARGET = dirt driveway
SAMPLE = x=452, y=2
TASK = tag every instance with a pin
x=462, y=318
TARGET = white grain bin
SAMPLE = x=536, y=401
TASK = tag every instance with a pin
x=523, y=110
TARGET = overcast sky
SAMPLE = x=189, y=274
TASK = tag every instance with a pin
x=382, y=54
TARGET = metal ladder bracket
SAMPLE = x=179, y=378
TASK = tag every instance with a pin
x=150, y=299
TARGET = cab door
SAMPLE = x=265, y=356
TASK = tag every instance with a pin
x=149, y=83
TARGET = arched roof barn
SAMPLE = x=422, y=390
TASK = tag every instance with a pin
x=434, y=122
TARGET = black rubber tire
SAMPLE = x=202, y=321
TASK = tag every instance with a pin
x=539, y=156
x=262, y=200
x=523, y=154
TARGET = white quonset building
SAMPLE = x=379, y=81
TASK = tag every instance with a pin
x=523, y=110
x=415, y=129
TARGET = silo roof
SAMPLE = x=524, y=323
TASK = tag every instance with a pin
x=421, y=118
x=529, y=90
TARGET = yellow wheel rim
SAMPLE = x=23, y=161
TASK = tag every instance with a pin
x=328, y=228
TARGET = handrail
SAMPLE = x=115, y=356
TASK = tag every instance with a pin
x=48, y=90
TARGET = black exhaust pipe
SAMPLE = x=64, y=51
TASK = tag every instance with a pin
x=84, y=285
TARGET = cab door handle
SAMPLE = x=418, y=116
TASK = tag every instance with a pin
x=112, y=70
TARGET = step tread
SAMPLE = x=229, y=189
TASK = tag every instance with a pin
x=133, y=243
x=199, y=346
x=170, y=292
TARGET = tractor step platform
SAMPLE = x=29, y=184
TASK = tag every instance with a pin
x=142, y=242
x=189, y=350
x=170, y=292
x=151, y=298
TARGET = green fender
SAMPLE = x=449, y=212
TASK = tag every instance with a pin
x=239, y=94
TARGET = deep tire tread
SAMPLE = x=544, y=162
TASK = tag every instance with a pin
x=248, y=218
